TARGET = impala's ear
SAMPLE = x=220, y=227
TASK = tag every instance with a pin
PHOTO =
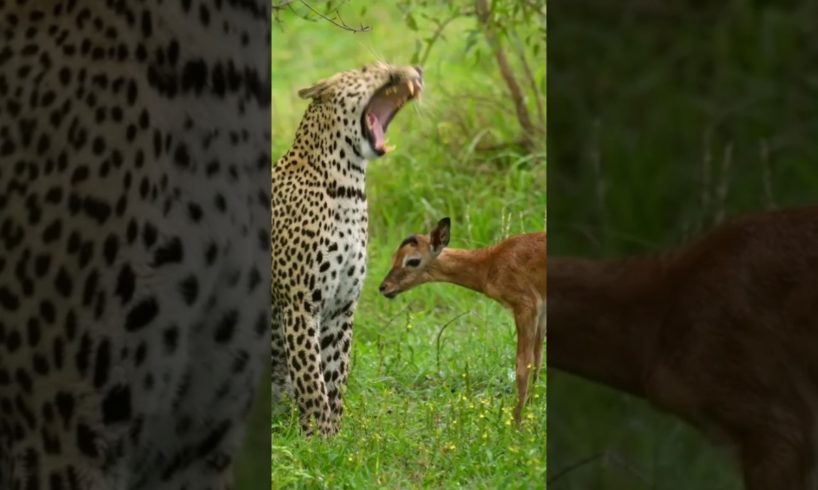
x=440, y=235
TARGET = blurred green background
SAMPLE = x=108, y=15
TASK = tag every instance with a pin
x=667, y=117
x=416, y=416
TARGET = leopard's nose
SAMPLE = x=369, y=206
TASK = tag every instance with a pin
x=382, y=288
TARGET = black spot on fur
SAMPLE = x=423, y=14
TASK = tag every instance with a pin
x=224, y=332
x=170, y=338
x=125, y=283
x=102, y=366
x=86, y=440
x=116, y=407
x=194, y=76
x=65, y=406
x=141, y=314
x=213, y=439
x=170, y=253
x=189, y=287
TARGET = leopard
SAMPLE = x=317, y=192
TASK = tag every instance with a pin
x=134, y=240
x=319, y=234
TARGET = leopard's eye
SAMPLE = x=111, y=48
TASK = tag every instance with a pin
x=412, y=263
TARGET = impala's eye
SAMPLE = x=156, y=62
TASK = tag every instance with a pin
x=412, y=263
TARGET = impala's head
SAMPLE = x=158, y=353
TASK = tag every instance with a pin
x=410, y=265
x=357, y=106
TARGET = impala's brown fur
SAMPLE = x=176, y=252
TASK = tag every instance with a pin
x=513, y=272
x=722, y=333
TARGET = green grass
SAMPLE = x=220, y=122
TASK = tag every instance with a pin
x=418, y=416
x=646, y=102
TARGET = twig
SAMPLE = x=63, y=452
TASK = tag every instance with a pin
x=618, y=460
x=436, y=35
x=601, y=184
x=500, y=105
x=282, y=4
x=440, y=332
x=574, y=466
x=395, y=316
x=501, y=146
x=707, y=164
x=766, y=174
x=380, y=337
x=608, y=456
x=342, y=24
x=724, y=186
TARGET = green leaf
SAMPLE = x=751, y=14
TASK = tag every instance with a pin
x=411, y=23
x=471, y=41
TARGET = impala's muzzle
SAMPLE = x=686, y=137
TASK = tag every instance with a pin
x=388, y=290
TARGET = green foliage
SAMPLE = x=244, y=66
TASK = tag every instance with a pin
x=493, y=28
x=510, y=17
x=417, y=417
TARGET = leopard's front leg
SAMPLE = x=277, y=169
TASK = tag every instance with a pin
x=335, y=346
x=301, y=333
x=279, y=370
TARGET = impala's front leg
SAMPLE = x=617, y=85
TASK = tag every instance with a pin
x=539, y=341
x=335, y=346
x=304, y=365
x=526, y=333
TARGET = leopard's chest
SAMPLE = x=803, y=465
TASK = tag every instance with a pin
x=346, y=250
x=320, y=218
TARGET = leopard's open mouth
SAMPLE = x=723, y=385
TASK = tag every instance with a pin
x=382, y=107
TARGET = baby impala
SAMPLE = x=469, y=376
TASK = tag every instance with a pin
x=513, y=273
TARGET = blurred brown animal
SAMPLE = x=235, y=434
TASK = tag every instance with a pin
x=723, y=333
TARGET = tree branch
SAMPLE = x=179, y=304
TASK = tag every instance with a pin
x=529, y=75
x=484, y=17
x=340, y=24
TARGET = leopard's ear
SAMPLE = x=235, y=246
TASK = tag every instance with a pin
x=321, y=90
x=314, y=92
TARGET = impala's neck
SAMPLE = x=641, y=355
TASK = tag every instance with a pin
x=604, y=317
x=462, y=267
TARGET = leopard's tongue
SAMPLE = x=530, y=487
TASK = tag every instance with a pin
x=376, y=129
